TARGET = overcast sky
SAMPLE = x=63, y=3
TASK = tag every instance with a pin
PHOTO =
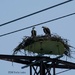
x=12, y=9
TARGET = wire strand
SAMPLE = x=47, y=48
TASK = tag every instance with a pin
x=34, y=13
x=63, y=71
x=37, y=24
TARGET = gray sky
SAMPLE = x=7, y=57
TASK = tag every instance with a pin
x=10, y=10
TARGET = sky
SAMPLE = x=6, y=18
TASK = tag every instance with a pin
x=12, y=9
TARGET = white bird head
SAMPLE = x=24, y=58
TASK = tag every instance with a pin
x=43, y=26
x=33, y=28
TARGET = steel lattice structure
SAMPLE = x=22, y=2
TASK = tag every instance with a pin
x=41, y=65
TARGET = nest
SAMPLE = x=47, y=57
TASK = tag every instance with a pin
x=30, y=40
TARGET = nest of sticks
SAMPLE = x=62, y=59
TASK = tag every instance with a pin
x=29, y=40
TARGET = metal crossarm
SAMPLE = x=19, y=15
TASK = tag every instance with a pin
x=41, y=65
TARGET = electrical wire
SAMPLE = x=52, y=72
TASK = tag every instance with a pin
x=38, y=24
x=34, y=13
x=62, y=71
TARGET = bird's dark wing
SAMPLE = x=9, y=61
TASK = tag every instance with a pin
x=33, y=33
x=46, y=30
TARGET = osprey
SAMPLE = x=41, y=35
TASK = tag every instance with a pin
x=46, y=30
x=33, y=32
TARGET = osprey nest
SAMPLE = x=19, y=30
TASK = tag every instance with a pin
x=42, y=44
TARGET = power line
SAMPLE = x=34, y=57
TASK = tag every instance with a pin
x=38, y=24
x=63, y=71
x=34, y=13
